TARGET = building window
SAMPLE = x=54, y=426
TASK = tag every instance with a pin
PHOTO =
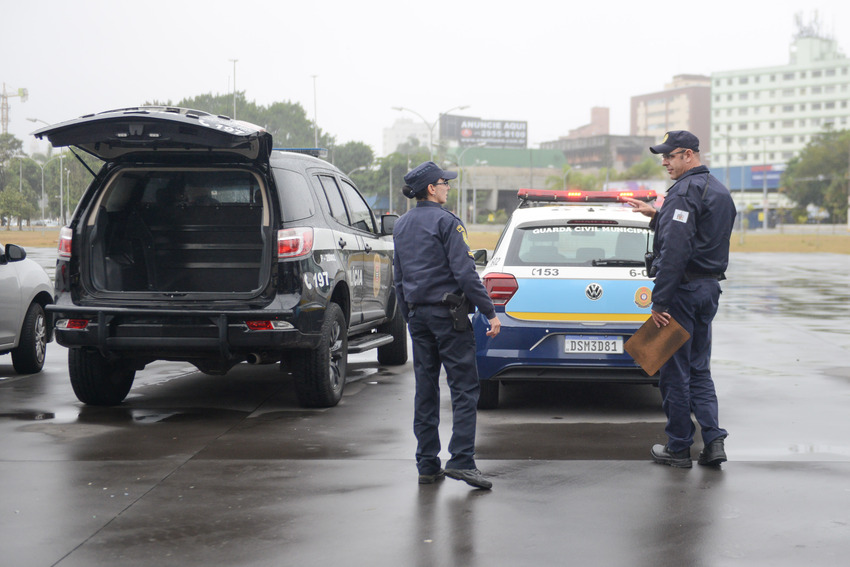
x=787, y=139
x=772, y=125
x=716, y=98
x=729, y=81
x=729, y=97
x=788, y=108
x=743, y=80
x=817, y=90
x=742, y=96
x=787, y=92
x=788, y=76
x=816, y=106
x=742, y=126
x=816, y=74
x=787, y=123
x=829, y=89
x=742, y=111
x=773, y=78
x=830, y=72
x=829, y=105
x=803, y=106
x=787, y=155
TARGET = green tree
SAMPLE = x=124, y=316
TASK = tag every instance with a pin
x=287, y=122
x=351, y=156
x=12, y=205
x=9, y=146
x=818, y=175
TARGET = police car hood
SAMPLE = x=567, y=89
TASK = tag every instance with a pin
x=155, y=130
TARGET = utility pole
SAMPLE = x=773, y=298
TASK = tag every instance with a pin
x=234, y=87
x=23, y=94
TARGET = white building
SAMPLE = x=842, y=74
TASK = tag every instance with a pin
x=767, y=115
x=402, y=130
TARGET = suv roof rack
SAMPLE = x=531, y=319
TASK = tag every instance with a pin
x=315, y=152
x=527, y=196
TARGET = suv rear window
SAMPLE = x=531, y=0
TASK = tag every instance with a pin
x=296, y=197
x=579, y=245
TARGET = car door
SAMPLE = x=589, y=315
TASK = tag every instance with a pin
x=349, y=245
x=376, y=257
x=10, y=302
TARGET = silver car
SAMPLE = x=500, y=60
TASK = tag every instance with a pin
x=25, y=290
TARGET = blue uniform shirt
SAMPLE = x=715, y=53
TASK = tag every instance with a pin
x=432, y=258
x=692, y=231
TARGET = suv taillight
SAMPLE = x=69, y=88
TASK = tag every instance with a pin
x=65, y=235
x=294, y=242
x=500, y=287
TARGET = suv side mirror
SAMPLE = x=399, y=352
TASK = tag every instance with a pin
x=480, y=257
x=387, y=223
x=14, y=253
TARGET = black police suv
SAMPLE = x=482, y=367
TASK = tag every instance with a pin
x=197, y=241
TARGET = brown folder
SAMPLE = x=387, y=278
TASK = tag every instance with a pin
x=652, y=346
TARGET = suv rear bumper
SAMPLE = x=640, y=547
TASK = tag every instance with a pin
x=180, y=333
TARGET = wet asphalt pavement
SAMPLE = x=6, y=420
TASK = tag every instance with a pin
x=201, y=470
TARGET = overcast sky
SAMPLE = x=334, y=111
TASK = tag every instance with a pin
x=544, y=62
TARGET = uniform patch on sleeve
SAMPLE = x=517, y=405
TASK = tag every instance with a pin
x=681, y=216
x=463, y=234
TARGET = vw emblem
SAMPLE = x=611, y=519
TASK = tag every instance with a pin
x=593, y=291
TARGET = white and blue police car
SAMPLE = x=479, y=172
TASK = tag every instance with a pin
x=570, y=287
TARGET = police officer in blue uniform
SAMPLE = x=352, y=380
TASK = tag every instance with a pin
x=691, y=253
x=433, y=269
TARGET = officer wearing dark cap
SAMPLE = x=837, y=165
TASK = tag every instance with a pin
x=433, y=265
x=691, y=253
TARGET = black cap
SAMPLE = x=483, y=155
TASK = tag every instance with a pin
x=420, y=177
x=676, y=139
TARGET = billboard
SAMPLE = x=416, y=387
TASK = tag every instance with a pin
x=472, y=131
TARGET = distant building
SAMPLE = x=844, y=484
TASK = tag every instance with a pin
x=684, y=104
x=592, y=147
x=402, y=130
x=768, y=115
x=761, y=118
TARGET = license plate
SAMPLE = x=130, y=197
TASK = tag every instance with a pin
x=593, y=345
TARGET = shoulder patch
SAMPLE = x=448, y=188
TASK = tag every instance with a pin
x=463, y=235
x=680, y=216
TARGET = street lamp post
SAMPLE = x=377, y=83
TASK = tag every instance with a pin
x=462, y=197
x=430, y=125
x=234, y=61
x=764, y=182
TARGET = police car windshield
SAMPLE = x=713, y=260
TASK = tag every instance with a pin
x=578, y=245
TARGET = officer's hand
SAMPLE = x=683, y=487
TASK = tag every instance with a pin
x=661, y=319
x=495, y=327
x=640, y=207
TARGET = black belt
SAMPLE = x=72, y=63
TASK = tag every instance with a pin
x=690, y=276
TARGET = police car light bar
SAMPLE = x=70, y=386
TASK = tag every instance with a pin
x=575, y=196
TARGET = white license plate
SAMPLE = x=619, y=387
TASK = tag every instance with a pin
x=593, y=345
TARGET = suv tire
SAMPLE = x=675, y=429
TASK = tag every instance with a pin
x=98, y=381
x=394, y=353
x=28, y=357
x=319, y=374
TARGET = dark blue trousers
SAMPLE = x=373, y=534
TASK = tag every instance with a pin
x=685, y=380
x=436, y=343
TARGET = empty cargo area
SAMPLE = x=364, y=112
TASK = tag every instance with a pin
x=179, y=230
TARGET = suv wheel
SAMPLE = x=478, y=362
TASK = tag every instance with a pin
x=489, y=397
x=319, y=374
x=98, y=381
x=28, y=358
x=396, y=352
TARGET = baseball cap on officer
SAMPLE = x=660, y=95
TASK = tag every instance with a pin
x=676, y=139
x=420, y=177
